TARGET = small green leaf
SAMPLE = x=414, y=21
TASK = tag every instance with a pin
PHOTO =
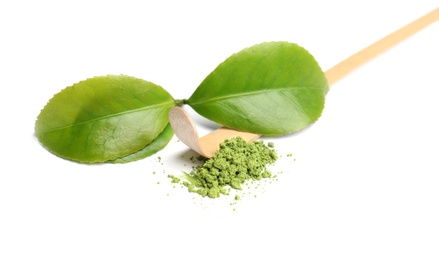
x=156, y=145
x=103, y=118
x=272, y=88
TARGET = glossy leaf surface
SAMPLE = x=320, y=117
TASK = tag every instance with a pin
x=272, y=88
x=103, y=118
x=156, y=145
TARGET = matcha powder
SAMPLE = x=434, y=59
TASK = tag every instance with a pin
x=232, y=165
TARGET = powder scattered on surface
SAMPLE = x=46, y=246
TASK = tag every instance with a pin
x=174, y=179
x=236, y=162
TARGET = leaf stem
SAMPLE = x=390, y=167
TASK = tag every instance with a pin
x=180, y=102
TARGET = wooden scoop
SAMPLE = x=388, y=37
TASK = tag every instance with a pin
x=207, y=145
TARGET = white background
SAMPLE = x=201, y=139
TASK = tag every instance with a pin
x=362, y=182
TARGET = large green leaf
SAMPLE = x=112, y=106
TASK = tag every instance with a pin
x=156, y=145
x=272, y=88
x=103, y=118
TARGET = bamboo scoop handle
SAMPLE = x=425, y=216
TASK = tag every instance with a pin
x=356, y=60
x=186, y=130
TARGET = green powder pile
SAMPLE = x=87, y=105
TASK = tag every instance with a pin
x=232, y=165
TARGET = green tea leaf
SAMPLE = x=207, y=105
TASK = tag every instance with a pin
x=272, y=88
x=156, y=145
x=103, y=118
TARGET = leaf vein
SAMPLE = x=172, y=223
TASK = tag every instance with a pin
x=250, y=93
x=109, y=116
